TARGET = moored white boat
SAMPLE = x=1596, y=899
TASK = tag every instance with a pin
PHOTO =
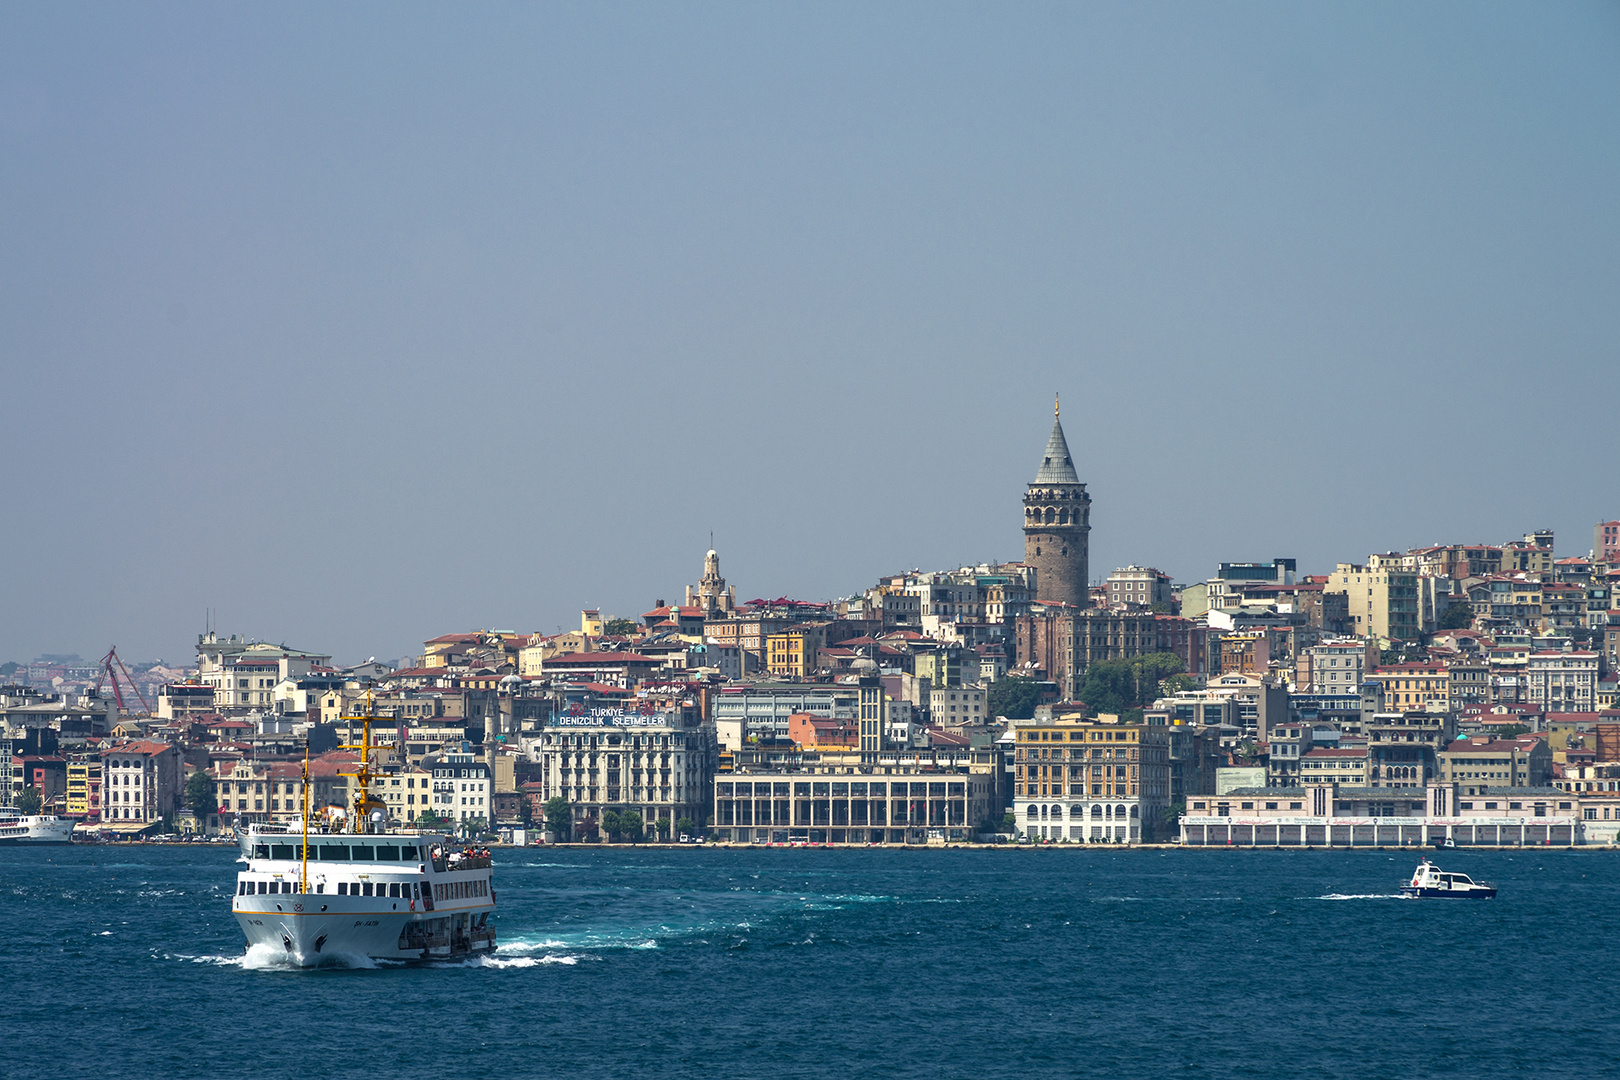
x=19, y=828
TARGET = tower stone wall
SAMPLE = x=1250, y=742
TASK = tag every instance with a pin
x=1057, y=526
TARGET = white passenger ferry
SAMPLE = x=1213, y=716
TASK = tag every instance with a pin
x=357, y=889
x=19, y=828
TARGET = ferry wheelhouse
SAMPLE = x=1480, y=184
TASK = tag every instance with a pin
x=354, y=888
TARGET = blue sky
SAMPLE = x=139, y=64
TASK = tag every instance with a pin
x=365, y=323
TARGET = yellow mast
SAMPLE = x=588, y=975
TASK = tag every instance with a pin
x=363, y=802
x=303, y=873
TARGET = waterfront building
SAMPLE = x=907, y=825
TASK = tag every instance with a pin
x=1088, y=780
x=142, y=782
x=789, y=795
x=655, y=760
x=1325, y=815
x=84, y=788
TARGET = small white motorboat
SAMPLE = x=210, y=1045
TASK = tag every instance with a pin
x=1428, y=880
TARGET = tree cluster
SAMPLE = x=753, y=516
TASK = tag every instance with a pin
x=1013, y=696
x=1120, y=686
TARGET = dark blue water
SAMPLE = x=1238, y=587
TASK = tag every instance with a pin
x=812, y=963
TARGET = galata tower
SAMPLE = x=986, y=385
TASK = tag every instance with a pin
x=1057, y=521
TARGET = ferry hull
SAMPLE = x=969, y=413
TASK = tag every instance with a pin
x=37, y=830
x=310, y=929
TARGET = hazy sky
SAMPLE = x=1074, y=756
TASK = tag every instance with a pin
x=366, y=323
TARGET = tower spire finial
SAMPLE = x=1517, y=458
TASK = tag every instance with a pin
x=1057, y=409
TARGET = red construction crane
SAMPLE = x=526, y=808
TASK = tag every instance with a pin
x=110, y=674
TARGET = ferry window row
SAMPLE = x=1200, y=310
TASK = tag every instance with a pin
x=461, y=890
x=343, y=852
x=399, y=890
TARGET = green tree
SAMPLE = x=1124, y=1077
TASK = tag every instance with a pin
x=612, y=824
x=1172, y=685
x=1170, y=818
x=202, y=798
x=1009, y=823
x=1013, y=696
x=663, y=828
x=685, y=826
x=1108, y=686
x=559, y=818
x=428, y=819
x=8, y=669
x=1458, y=616
x=631, y=825
x=620, y=627
x=29, y=801
x=1120, y=686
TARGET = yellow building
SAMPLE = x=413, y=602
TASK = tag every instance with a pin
x=1090, y=781
x=83, y=788
x=1414, y=686
x=791, y=653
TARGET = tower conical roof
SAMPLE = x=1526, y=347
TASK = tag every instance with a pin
x=1056, y=466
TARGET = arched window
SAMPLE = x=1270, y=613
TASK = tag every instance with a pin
x=1032, y=812
x=1077, y=812
x=1050, y=515
x=1063, y=516
x=1096, y=811
x=1134, y=812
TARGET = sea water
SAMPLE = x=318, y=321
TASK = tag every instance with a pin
x=679, y=962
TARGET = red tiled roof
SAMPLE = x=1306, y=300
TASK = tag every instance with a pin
x=137, y=746
x=599, y=659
